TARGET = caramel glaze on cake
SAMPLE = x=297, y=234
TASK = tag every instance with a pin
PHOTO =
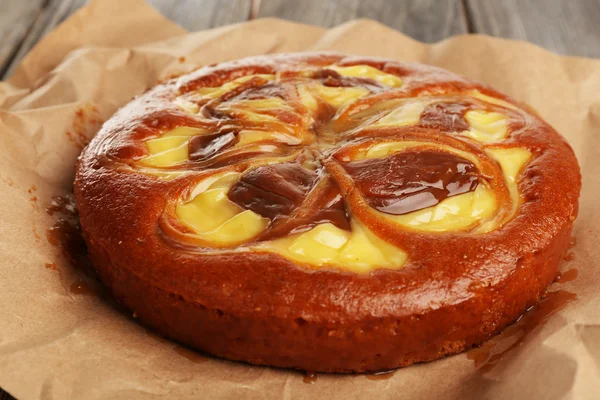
x=325, y=212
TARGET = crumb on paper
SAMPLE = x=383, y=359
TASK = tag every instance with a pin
x=50, y=265
x=85, y=122
x=8, y=181
x=35, y=232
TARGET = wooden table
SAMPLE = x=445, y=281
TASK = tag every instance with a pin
x=567, y=27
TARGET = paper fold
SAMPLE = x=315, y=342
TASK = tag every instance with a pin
x=57, y=344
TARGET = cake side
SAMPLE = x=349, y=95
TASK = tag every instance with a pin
x=246, y=210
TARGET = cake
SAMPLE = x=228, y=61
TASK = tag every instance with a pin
x=326, y=212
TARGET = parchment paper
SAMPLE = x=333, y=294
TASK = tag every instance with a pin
x=56, y=344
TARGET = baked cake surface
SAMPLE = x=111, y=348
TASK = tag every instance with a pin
x=325, y=212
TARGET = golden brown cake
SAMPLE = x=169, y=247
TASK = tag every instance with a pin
x=325, y=212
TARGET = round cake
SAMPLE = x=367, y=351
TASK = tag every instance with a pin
x=326, y=212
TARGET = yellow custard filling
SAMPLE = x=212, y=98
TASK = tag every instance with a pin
x=166, y=151
x=218, y=91
x=486, y=126
x=334, y=96
x=358, y=251
x=366, y=71
x=171, y=148
x=220, y=222
x=216, y=219
x=451, y=214
x=339, y=96
x=407, y=114
x=183, y=131
x=249, y=136
x=512, y=161
x=460, y=211
x=187, y=106
x=492, y=100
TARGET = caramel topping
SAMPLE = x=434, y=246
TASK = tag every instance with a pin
x=380, y=376
x=205, y=146
x=310, y=377
x=448, y=117
x=330, y=207
x=331, y=78
x=284, y=153
x=277, y=191
x=272, y=190
x=410, y=181
x=266, y=91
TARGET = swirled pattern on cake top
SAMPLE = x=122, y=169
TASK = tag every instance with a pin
x=327, y=212
x=289, y=158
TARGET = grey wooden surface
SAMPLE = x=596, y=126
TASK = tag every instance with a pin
x=426, y=20
x=564, y=26
x=567, y=27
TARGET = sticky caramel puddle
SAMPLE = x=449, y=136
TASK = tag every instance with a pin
x=380, y=376
x=78, y=276
x=310, y=378
x=492, y=352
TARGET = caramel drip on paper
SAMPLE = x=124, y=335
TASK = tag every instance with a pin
x=491, y=353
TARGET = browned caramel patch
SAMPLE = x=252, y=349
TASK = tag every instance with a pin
x=409, y=181
x=204, y=147
x=277, y=191
x=448, y=117
x=273, y=190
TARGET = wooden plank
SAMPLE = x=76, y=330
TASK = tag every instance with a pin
x=424, y=20
x=567, y=27
x=16, y=19
x=52, y=14
x=195, y=15
x=191, y=14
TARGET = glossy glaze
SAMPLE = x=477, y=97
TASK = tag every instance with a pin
x=429, y=294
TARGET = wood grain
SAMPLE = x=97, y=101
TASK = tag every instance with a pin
x=195, y=15
x=49, y=15
x=16, y=19
x=424, y=20
x=191, y=14
x=567, y=27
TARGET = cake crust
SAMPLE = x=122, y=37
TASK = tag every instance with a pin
x=455, y=289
